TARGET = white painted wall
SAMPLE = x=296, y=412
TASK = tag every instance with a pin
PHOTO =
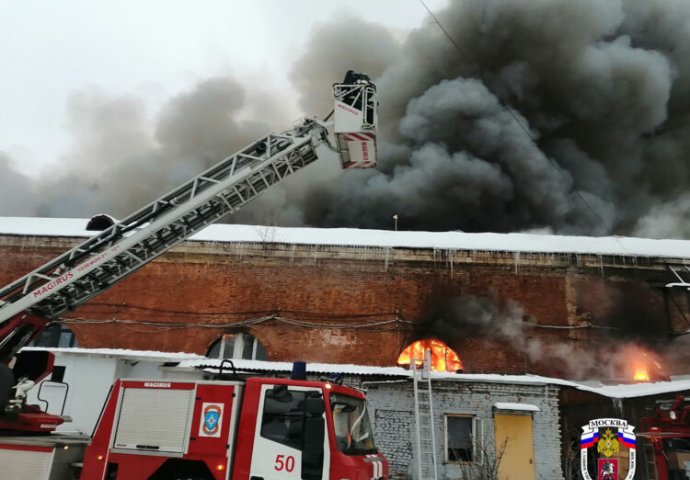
x=89, y=381
x=90, y=376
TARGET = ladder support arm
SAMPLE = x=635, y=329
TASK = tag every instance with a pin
x=104, y=259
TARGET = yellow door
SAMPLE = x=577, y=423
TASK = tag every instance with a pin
x=517, y=462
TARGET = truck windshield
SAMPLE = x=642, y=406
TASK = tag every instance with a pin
x=353, y=432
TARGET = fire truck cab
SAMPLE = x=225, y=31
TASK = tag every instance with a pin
x=258, y=429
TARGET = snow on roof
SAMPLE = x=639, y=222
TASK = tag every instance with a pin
x=509, y=242
x=265, y=366
x=612, y=391
x=365, y=370
x=627, y=390
x=193, y=361
x=123, y=353
x=635, y=390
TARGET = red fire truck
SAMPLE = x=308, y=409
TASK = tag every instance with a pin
x=666, y=440
x=233, y=428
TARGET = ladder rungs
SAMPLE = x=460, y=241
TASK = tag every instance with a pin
x=425, y=442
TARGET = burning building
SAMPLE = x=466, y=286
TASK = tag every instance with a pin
x=571, y=307
x=483, y=304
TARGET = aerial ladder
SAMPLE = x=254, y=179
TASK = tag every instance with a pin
x=30, y=303
x=426, y=467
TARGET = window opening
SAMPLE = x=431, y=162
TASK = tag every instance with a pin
x=443, y=358
x=240, y=345
x=353, y=432
x=460, y=438
x=283, y=417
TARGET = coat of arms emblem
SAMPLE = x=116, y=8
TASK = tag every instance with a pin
x=610, y=448
x=211, y=419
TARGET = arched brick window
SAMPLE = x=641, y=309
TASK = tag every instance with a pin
x=237, y=345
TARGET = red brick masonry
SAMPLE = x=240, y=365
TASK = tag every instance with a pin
x=362, y=305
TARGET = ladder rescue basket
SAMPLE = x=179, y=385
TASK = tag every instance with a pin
x=356, y=117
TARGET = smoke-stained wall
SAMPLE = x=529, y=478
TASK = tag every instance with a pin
x=568, y=315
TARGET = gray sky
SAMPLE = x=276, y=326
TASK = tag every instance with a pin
x=150, y=49
x=105, y=105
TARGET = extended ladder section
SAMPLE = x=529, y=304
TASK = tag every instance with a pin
x=649, y=459
x=425, y=436
x=101, y=261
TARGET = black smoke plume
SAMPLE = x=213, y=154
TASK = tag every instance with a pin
x=570, y=116
x=567, y=115
x=624, y=348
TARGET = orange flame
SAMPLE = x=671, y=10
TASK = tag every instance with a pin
x=642, y=365
x=641, y=375
x=443, y=358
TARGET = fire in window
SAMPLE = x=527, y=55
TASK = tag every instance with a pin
x=443, y=358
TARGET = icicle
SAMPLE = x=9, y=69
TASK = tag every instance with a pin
x=516, y=261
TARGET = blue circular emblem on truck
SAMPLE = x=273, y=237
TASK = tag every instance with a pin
x=211, y=419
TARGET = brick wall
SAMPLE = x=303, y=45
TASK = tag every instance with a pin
x=392, y=411
x=358, y=305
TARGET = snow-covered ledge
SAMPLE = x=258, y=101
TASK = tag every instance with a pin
x=520, y=407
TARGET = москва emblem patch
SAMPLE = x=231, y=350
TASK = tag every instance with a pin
x=610, y=445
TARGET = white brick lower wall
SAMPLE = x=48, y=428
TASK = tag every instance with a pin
x=392, y=410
